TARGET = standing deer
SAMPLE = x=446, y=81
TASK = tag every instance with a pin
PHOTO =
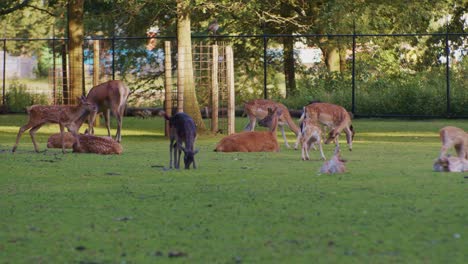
x=182, y=129
x=310, y=133
x=333, y=116
x=258, y=109
x=109, y=96
x=253, y=141
x=454, y=137
x=67, y=116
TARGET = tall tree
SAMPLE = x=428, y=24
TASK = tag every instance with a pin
x=184, y=43
x=75, y=47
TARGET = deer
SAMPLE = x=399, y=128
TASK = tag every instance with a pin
x=109, y=96
x=333, y=116
x=66, y=116
x=182, y=129
x=55, y=140
x=99, y=145
x=311, y=133
x=253, y=141
x=454, y=137
x=450, y=164
x=335, y=165
x=257, y=109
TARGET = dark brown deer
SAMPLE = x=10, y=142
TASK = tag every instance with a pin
x=253, y=141
x=258, y=109
x=182, y=129
x=109, y=96
x=67, y=116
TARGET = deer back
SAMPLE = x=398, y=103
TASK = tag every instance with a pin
x=109, y=94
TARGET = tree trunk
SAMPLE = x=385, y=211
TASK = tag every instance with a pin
x=332, y=58
x=184, y=42
x=75, y=48
x=289, y=69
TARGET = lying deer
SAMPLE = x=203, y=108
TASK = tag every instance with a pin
x=98, y=145
x=55, y=140
x=182, y=129
x=310, y=133
x=258, y=109
x=253, y=141
x=333, y=116
x=450, y=164
x=334, y=165
x=67, y=116
x=109, y=96
x=454, y=137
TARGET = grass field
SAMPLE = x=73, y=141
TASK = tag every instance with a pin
x=390, y=207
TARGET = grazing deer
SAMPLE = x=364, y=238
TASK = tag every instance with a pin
x=55, y=140
x=333, y=116
x=67, y=116
x=454, y=137
x=252, y=141
x=258, y=109
x=99, y=145
x=310, y=133
x=109, y=96
x=182, y=129
x=450, y=164
x=334, y=165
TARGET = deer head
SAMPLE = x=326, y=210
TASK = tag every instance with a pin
x=271, y=120
x=189, y=157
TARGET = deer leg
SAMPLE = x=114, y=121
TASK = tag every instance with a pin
x=62, y=137
x=20, y=132
x=349, y=138
x=107, y=118
x=118, y=137
x=251, y=125
x=319, y=139
x=171, y=148
x=32, y=132
x=284, y=137
x=91, y=120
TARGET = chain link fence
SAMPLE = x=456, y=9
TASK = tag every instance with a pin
x=400, y=75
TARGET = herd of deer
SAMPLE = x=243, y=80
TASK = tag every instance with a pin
x=112, y=96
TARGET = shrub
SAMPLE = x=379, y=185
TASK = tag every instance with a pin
x=18, y=98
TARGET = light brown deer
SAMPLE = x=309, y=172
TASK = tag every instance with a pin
x=333, y=116
x=109, y=96
x=55, y=140
x=334, y=165
x=252, y=141
x=98, y=145
x=450, y=164
x=67, y=116
x=311, y=133
x=454, y=137
x=258, y=109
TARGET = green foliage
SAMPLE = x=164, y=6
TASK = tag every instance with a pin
x=18, y=98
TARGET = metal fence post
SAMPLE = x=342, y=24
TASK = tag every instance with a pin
x=353, y=77
x=265, y=91
x=4, y=72
x=113, y=57
x=447, y=69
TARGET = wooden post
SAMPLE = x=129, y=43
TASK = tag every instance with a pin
x=167, y=83
x=230, y=87
x=180, y=78
x=214, y=90
x=96, y=73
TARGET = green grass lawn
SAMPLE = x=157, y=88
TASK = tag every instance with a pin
x=390, y=207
